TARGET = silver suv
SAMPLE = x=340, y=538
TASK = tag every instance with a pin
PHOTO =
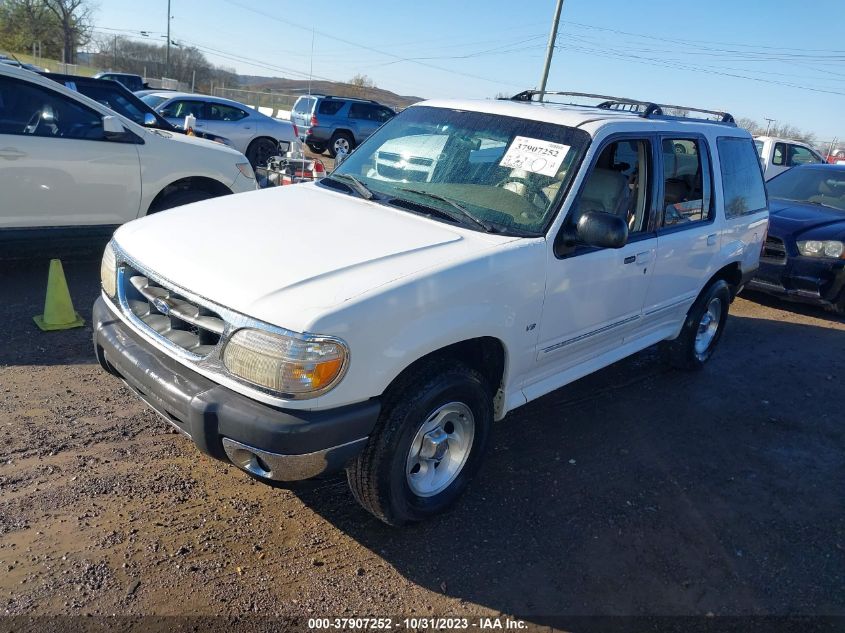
x=337, y=124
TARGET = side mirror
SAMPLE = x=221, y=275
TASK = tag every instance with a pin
x=113, y=129
x=150, y=120
x=594, y=228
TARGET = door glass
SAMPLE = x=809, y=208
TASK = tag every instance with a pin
x=778, y=156
x=618, y=184
x=359, y=111
x=742, y=180
x=181, y=109
x=27, y=109
x=801, y=156
x=329, y=106
x=223, y=112
x=686, y=182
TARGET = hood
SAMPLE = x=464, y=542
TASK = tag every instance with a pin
x=788, y=217
x=286, y=253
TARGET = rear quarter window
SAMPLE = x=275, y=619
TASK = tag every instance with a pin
x=742, y=179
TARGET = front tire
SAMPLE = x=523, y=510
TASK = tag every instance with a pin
x=428, y=443
x=702, y=329
x=179, y=198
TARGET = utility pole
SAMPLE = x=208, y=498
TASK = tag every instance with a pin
x=551, y=47
x=167, y=50
x=769, y=124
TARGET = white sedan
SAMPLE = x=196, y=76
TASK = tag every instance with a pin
x=250, y=132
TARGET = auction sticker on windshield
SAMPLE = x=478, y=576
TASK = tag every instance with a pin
x=535, y=155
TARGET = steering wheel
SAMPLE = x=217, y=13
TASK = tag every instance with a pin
x=532, y=188
x=33, y=124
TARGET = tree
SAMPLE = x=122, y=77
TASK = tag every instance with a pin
x=74, y=18
x=28, y=23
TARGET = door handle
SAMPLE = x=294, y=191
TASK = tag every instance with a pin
x=11, y=153
x=711, y=239
x=644, y=257
x=630, y=259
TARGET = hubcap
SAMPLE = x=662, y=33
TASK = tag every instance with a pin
x=708, y=326
x=341, y=145
x=440, y=449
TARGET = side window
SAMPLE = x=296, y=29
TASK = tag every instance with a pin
x=801, y=156
x=180, y=109
x=618, y=184
x=358, y=111
x=742, y=181
x=329, y=107
x=383, y=114
x=303, y=106
x=223, y=112
x=779, y=154
x=686, y=182
x=29, y=109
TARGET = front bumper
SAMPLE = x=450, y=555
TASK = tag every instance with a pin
x=805, y=279
x=269, y=442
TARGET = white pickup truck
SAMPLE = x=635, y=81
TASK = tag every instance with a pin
x=779, y=154
x=381, y=322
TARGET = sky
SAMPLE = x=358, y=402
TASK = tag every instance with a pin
x=777, y=59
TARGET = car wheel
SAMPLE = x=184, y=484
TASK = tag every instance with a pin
x=340, y=141
x=428, y=443
x=178, y=198
x=702, y=329
x=260, y=151
x=317, y=148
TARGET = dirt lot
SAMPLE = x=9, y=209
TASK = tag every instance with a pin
x=638, y=490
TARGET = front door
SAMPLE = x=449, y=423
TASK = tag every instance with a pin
x=594, y=296
x=56, y=168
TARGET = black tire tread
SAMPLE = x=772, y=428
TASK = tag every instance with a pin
x=400, y=397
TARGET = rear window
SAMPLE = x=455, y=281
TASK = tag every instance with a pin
x=329, y=106
x=742, y=179
x=304, y=105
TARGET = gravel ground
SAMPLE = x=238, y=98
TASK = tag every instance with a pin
x=636, y=491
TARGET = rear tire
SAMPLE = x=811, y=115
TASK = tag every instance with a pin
x=427, y=445
x=702, y=329
x=179, y=198
x=341, y=140
x=260, y=151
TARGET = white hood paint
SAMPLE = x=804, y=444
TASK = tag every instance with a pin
x=285, y=254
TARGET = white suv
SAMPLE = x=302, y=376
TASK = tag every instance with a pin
x=381, y=323
x=72, y=168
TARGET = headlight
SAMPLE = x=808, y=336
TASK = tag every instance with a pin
x=819, y=248
x=246, y=170
x=108, y=271
x=302, y=367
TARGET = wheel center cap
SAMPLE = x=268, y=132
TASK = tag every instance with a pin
x=434, y=444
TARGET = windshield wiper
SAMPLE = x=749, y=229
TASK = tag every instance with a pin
x=356, y=185
x=466, y=215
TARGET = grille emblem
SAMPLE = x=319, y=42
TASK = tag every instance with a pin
x=161, y=305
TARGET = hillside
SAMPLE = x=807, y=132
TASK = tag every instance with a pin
x=298, y=86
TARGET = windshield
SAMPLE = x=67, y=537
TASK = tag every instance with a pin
x=813, y=185
x=506, y=173
x=153, y=100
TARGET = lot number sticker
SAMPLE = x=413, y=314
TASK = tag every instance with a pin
x=535, y=155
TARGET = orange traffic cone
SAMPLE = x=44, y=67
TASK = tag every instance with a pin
x=58, y=306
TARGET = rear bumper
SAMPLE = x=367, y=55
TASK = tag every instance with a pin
x=271, y=443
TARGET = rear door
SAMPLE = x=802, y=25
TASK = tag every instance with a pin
x=688, y=240
x=56, y=168
x=233, y=123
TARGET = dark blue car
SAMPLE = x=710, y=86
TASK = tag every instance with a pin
x=804, y=255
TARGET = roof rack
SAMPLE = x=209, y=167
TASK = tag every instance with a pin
x=645, y=109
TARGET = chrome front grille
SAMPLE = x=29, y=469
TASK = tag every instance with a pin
x=185, y=324
x=774, y=250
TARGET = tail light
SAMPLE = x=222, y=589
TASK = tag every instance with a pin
x=313, y=120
